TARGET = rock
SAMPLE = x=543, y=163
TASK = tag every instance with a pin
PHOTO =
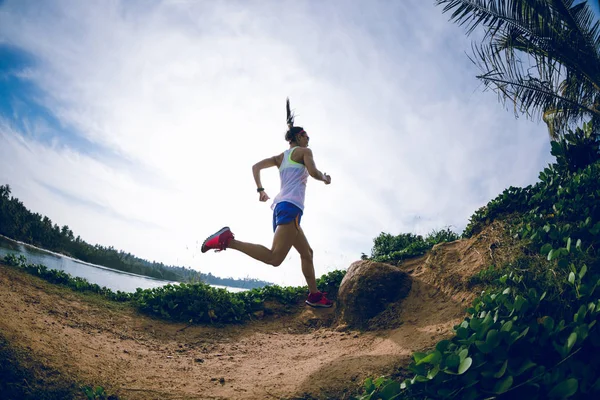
x=367, y=289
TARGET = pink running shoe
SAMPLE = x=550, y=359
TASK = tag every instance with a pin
x=219, y=241
x=318, y=300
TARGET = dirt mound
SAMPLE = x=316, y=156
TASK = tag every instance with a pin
x=302, y=355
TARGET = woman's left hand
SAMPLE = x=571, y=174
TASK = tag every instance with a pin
x=263, y=196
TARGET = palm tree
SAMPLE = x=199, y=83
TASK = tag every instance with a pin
x=4, y=191
x=543, y=56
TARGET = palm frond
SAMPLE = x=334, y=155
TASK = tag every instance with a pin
x=542, y=55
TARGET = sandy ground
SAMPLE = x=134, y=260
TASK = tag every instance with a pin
x=301, y=355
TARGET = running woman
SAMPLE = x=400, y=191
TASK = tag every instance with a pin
x=295, y=165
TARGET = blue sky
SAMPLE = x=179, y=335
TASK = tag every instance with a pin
x=136, y=123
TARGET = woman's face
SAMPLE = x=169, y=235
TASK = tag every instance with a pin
x=302, y=139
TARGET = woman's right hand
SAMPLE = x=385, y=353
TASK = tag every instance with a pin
x=326, y=179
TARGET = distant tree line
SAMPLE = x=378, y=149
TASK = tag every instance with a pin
x=18, y=223
x=246, y=283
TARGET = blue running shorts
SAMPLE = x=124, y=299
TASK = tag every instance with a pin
x=286, y=212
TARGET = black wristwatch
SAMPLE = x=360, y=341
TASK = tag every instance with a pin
x=260, y=190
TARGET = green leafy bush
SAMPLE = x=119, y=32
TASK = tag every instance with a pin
x=393, y=249
x=203, y=303
x=189, y=302
x=330, y=283
x=577, y=149
x=577, y=155
x=506, y=345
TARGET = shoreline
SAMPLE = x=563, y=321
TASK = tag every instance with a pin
x=78, y=261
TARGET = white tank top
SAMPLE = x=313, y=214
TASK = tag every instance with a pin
x=294, y=177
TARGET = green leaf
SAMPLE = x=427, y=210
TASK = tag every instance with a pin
x=462, y=333
x=564, y=389
x=524, y=333
x=503, y=385
x=571, y=278
x=571, y=341
x=420, y=378
x=502, y=370
x=551, y=255
x=583, y=271
x=475, y=324
x=519, y=302
x=417, y=356
x=483, y=346
x=548, y=323
x=463, y=354
x=433, y=372
x=578, y=244
x=369, y=385
x=452, y=361
x=492, y=338
x=442, y=346
x=465, y=365
x=507, y=327
x=390, y=390
x=546, y=249
x=569, y=244
x=432, y=358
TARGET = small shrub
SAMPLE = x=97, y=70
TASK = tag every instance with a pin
x=393, y=249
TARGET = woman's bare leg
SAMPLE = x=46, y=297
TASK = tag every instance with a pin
x=306, y=258
x=285, y=236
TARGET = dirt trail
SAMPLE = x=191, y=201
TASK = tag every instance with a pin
x=137, y=357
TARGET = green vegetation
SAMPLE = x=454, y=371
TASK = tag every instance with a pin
x=96, y=393
x=18, y=223
x=201, y=303
x=393, y=249
x=188, y=302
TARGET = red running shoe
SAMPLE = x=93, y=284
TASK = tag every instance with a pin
x=318, y=300
x=219, y=241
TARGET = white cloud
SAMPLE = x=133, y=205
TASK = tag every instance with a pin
x=180, y=98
